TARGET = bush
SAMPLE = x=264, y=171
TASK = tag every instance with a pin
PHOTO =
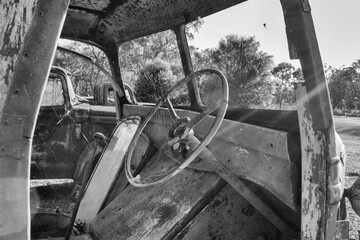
x=338, y=112
x=154, y=80
x=353, y=113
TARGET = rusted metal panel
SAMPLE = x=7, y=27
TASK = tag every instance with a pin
x=106, y=171
x=254, y=153
x=323, y=170
x=228, y=216
x=342, y=230
x=16, y=18
x=259, y=203
x=126, y=20
x=313, y=151
x=93, y=4
x=23, y=98
x=184, y=51
x=158, y=212
x=301, y=35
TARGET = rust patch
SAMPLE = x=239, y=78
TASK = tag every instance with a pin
x=165, y=213
x=248, y=211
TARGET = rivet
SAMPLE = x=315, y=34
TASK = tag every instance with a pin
x=6, y=122
x=19, y=120
x=3, y=149
x=16, y=92
x=41, y=14
x=26, y=54
x=15, y=150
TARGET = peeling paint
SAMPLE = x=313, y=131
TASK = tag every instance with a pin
x=17, y=21
x=313, y=177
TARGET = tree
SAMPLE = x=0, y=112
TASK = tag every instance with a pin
x=246, y=67
x=344, y=83
x=136, y=53
x=286, y=76
x=154, y=80
x=84, y=75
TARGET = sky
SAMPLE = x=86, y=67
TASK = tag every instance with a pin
x=336, y=24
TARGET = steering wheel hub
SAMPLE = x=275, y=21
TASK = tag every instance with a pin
x=179, y=127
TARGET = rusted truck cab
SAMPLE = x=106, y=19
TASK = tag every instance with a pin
x=65, y=125
x=185, y=172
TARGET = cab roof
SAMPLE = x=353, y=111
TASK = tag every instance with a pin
x=118, y=21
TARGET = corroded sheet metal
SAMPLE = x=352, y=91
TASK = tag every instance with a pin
x=228, y=216
x=342, y=230
x=313, y=197
x=23, y=99
x=255, y=153
x=12, y=32
x=301, y=35
x=79, y=24
x=95, y=5
x=125, y=20
x=158, y=212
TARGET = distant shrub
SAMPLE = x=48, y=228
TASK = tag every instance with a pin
x=353, y=113
x=338, y=112
x=154, y=80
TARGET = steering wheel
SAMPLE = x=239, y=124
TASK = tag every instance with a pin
x=181, y=130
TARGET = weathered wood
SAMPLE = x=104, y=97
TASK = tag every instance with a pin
x=107, y=170
x=313, y=150
x=157, y=212
x=22, y=100
x=251, y=152
x=227, y=217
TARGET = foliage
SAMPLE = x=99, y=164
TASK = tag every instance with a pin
x=246, y=67
x=354, y=113
x=252, y=80
x=344, y=84
x=338, y=112
x=133, y=55
x=84, y=75
x=154, y=80
x=286, y=76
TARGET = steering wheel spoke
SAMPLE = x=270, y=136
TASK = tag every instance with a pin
x=172, y=112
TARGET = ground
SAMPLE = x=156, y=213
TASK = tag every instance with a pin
x=349, y=131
